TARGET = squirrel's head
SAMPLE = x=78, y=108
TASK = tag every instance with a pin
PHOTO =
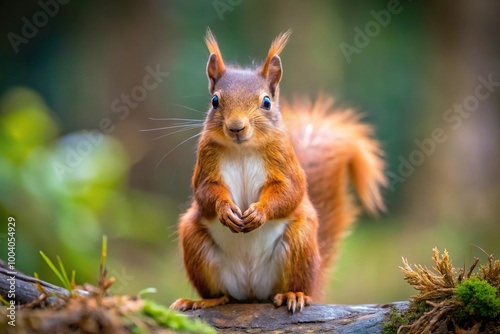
x=244, y=107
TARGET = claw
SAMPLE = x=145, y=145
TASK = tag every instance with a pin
x=294, y=301
x=292, y=304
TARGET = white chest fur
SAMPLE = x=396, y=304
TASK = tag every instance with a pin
x=248, y=264
x=244, y=174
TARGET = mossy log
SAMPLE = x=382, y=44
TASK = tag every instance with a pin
x=246, y=318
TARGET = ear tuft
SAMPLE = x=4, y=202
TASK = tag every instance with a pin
x=215, y=65
x=277, y=46
x=272, y=70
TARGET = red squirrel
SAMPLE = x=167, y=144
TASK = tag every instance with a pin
x=271, y=199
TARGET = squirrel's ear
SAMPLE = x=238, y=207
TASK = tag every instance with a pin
x=272, y=70
x=213, y=72
x=215, y=65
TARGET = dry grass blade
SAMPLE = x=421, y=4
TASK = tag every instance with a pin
x=472, y=267
x=444, y=267
x=491, y=272
x=104, y=283
x=39, y=286
x=435, y=284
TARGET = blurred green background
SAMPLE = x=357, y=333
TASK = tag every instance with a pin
x=74, y=164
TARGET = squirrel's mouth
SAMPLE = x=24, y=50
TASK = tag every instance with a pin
x=239, y=139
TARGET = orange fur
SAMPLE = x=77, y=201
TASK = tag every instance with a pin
x=213, y=48
x=332, y=145
x=250, y=179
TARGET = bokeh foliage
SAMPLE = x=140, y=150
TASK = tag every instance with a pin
x=61, y=84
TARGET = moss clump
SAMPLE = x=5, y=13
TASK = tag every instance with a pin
x=455, y=301
x=173, y=320
x=479, y=298
x=396, y=319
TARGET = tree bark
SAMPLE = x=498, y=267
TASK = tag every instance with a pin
x=24, y=287
x=265, y=318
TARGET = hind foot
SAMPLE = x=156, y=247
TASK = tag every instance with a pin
x=294, y=300
x=186, y=304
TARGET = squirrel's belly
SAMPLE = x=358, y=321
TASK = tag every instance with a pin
x=248, y=265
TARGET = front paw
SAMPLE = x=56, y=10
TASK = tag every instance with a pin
x=230, y=216
x=253, y=218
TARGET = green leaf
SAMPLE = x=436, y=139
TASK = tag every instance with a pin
x=146, y=291
x=54, y=269
x=6, y=303
x=65, y=275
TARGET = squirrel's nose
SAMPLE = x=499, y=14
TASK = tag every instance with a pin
x=236, y=129
x=236, y=126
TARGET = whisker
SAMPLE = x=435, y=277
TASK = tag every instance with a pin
x=254, y=111
x=176, y=119
x=188, y=108
x=192, y=125
x=171, y=133
x=194, y=95
x=214, y=126
x=176, y=146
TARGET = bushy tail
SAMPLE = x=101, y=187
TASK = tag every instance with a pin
x=333, y=146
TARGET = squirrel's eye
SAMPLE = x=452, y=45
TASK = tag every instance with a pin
x=266, y=103
x=215, y=101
